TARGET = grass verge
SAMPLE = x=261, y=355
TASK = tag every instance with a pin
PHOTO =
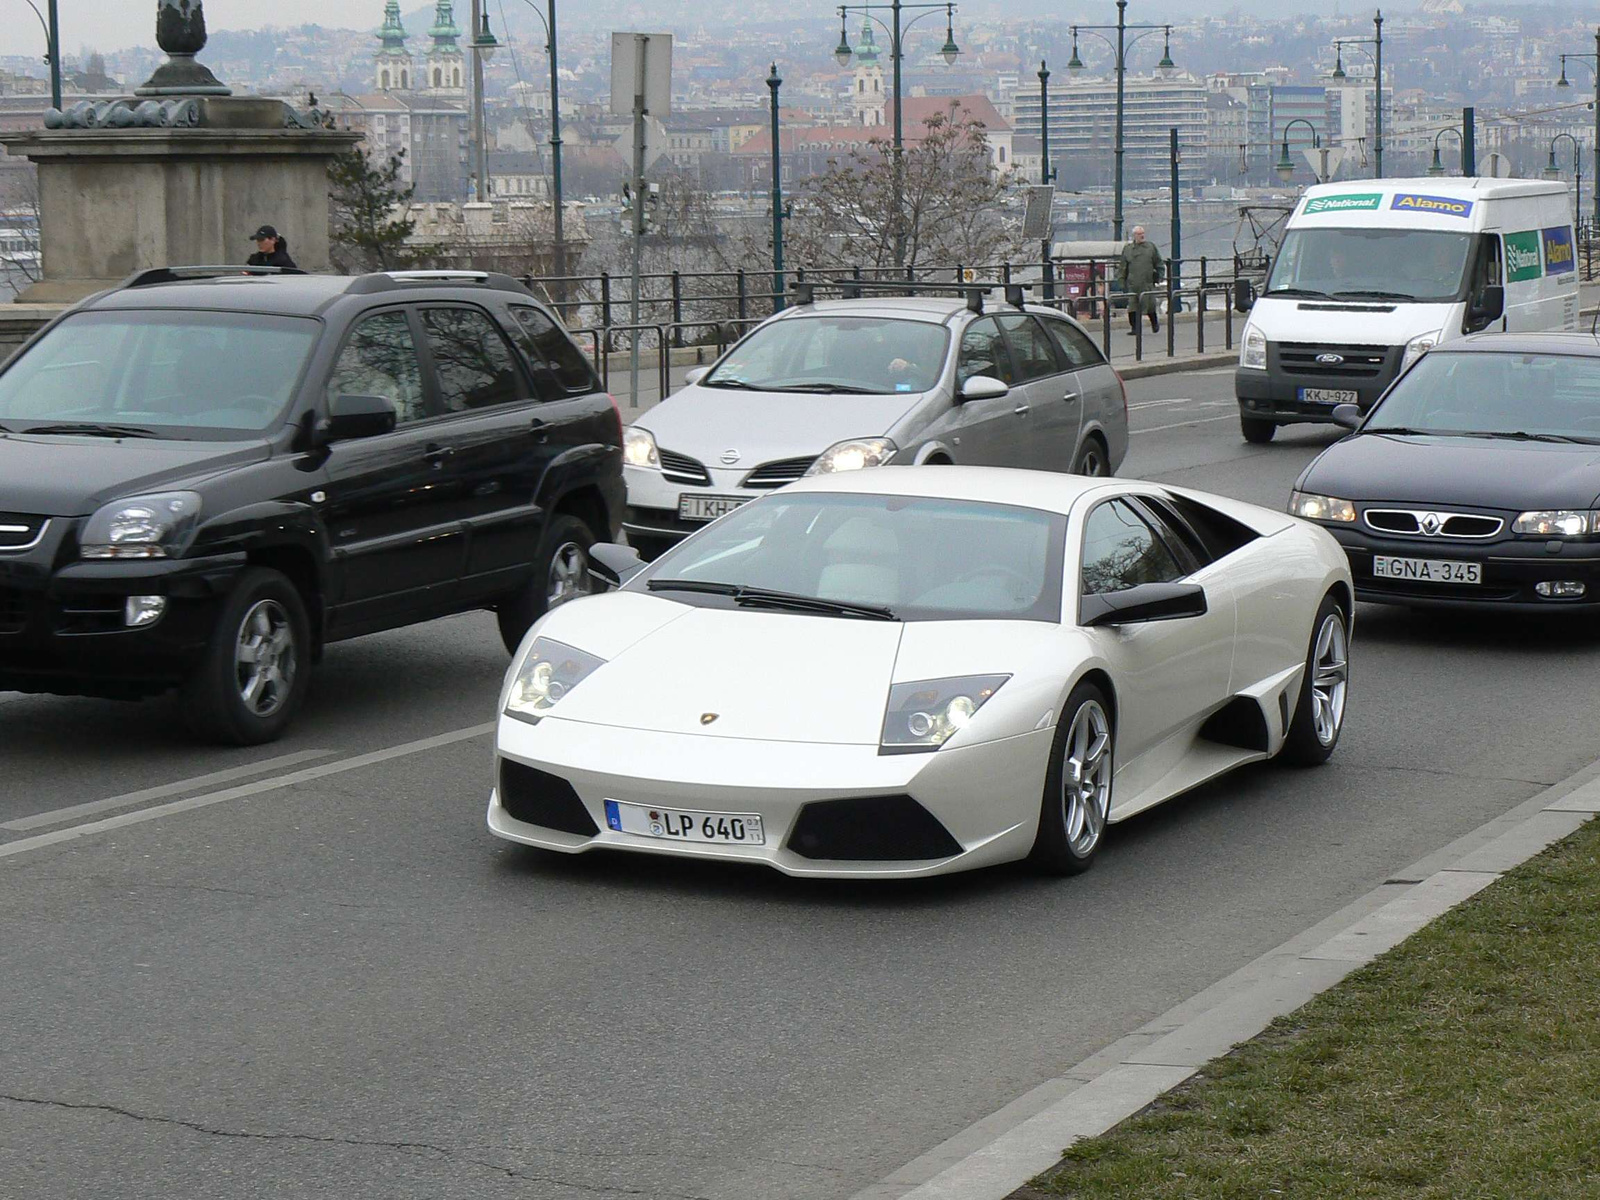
x=1463, y=1063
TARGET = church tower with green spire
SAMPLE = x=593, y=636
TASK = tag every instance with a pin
x=446, y=67
x=392, y=65
x=867, y=95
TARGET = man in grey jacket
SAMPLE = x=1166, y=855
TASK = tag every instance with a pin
x=1139, y=269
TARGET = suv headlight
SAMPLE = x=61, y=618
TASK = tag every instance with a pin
x=923, y=715
x=1417, y=347
x=1253, y=351
x=1559, y=522
x=547, y=672
x=639, y=448
x=1320, y=508
x=853, y=455
x=156, y=526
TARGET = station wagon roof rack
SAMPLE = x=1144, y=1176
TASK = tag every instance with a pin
x=853, y=289
x=176, y=274
x=383, y=281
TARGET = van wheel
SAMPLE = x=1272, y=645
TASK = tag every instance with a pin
x=1257, y=431
x=257, y=664
x=560, y=573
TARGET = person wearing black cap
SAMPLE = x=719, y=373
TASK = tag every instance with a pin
x=271, y=250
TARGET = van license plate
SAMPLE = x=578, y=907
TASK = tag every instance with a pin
x=707, y=508
x=1426, y=570
x=1329, y=396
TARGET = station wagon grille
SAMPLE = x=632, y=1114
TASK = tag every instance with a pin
x=777, y=474
x=20, y=531
x=680, y=468
x=1422, y=523
x=1332, y=362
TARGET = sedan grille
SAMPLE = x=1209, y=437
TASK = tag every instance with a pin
x=1421, y=523
x=20, y=531
x=680, y=468
x=1332, y=362
x=777, y=474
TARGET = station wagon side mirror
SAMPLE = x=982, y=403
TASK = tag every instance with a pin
x=612, y=564
x=1486, y=308
x=1143, y=603
x=1347, y=415
x=1244, y=295
x=694, y=375
x=982, y=387
x=359, y=417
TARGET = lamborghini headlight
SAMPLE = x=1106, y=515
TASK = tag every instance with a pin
x=1320, y=508
x=548, y=671
x=925, y=714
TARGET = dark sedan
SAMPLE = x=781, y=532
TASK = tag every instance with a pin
x=1475, y=481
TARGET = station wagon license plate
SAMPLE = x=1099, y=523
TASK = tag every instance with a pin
x=1329, y=396
x=686, y=825
x=1426, y=570
x=707, y=508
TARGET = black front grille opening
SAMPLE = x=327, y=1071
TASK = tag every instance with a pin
x=871, y=828
x=540, y=798
x=680, y=468
x=1470, y=526
x=1393, y=522
x=89, y=613
x=18, y=530
x=779, y=473
x=13, y=611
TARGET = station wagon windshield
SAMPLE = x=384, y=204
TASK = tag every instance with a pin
x=158, y=373
x=1543, y=397
x=829, y=354
x=1399, y=265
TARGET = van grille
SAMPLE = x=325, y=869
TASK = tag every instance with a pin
x=1354, y=362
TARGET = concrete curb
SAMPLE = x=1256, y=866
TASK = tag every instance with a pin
x=999, y=1154
x=1173, y=366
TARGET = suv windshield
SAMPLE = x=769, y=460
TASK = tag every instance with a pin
x=835, y=354
x=1360, y=264
x=1496, y=395
x=919, y=558
x=176, y=374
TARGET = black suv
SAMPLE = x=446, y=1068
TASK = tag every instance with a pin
x=206, y=474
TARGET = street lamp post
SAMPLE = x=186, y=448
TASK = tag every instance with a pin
x=896, y=29
x=483, y=46
x=1046, y=175
x=1285, y=165
x=52, y=47
x=774, y=82
x=555, y=140
x=1562, y=82
x=1121, y=46
x=1552, y=171
x=1436, y=167
x=1376, y=42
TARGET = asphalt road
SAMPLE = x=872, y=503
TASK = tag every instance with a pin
x=338, y=984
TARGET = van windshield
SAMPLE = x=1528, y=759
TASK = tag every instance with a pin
x=1425, y=265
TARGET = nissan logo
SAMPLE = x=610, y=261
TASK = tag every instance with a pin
x=1330, y=360
x=729, y=457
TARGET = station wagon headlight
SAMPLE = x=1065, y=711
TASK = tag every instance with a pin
x=1559, y=522
x=1253, y=351
x=155, y=526
x=639, y=448
x=1417, y=347
x=1320, y=508
x=853, y=455
x=548, y=671
x=924, y=715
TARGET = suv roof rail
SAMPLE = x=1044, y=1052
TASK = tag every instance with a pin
x=383, y=281
x=852, y=289
x=173, y=274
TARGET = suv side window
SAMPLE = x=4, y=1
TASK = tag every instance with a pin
x=471, y=360
x=983, y=352
x=1035, y=353
x=1121, y=550
x=380, y=359
x=1074, y=344
x=548, y=345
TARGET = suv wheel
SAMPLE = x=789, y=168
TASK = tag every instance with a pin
x=560, y=573
x=257, y=664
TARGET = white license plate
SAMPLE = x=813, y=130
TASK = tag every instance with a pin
x=1329, y=396
x=686, y=825
x=707, y=508
x=1426, y=570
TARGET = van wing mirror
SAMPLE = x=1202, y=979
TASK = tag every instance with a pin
x=351, y=416
x=1487, y=307
x=613, y=564
x=1244, y=295
x=1142, y=603
x=983, y=387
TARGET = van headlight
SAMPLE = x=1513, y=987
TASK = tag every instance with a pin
x=547, y=672
x=156, y=526
x=1253, y=351
x=853, y=455
x=1417, y=347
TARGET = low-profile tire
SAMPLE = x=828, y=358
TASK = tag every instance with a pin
x=257, y=664
x=1257, y=431
x=560, y=573
x=1077, y=787
x=1319, y=711
x=1092, y=459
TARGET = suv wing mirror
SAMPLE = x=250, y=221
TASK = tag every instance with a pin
x=612, y=564
x=1244, y=295
x=1145, y=602
x=360, y=416
x=982, y=387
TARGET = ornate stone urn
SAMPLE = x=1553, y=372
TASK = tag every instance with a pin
x=181, y=32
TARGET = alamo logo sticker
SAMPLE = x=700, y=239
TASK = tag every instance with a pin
x=1558, y=258
x=1522, y=256
x=1409, y=202
x=1356, y=202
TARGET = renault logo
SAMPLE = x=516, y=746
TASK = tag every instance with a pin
x=1330, y=360
x=1430, y=523
x=729, y=457
x=707, y=718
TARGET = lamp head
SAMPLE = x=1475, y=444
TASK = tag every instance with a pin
x=1166, y=65
x=485, y=42
x=1074, y=64
x=1338, y=63
x=841, y=52
x=1285, y=166
x=1437, y=166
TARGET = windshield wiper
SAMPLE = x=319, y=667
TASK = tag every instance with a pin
x=1374, y=294
x=1407, y=430
x=707, y=586
x=827, y=389
x=1520, y=435
x=756, y=597
x=738, y=384
x=92, y=429
x=1308, y=293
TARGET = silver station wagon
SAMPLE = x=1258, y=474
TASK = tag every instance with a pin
x=846, y=384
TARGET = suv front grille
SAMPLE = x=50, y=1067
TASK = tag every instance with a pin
x=13, y=610
x=680, y=468
x=20, y=531
x=1354, y=362
x=777, y=474
x=1421, y=523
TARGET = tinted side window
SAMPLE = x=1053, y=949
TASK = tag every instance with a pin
x=983, y=352
x=547, y=343
x=1121, y=550
x=1074, y=344
x=472, y=361
x=1035, y=353
x=380, y=359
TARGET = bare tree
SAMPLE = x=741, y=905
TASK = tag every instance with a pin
x=19, y=229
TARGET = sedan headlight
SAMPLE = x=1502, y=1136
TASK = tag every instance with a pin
x=1320, y=508
x=1253, y=351
x=853, y=455
x=1559, y=522
x=639, y=448
x=1417, y=347
x=548, y=671
x=924, y=715
x=156, y=526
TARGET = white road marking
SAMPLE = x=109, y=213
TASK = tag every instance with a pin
x=238, y=793
x=1161, y=403
x=60, y=816
x=1181, y=424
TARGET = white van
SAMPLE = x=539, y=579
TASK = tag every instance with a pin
x=1374, y=273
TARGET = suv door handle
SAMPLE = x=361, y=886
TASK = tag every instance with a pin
x=539, y=430
x=435, y=455
x=1021, y=410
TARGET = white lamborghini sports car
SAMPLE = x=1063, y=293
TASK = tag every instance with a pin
x=914, y=670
